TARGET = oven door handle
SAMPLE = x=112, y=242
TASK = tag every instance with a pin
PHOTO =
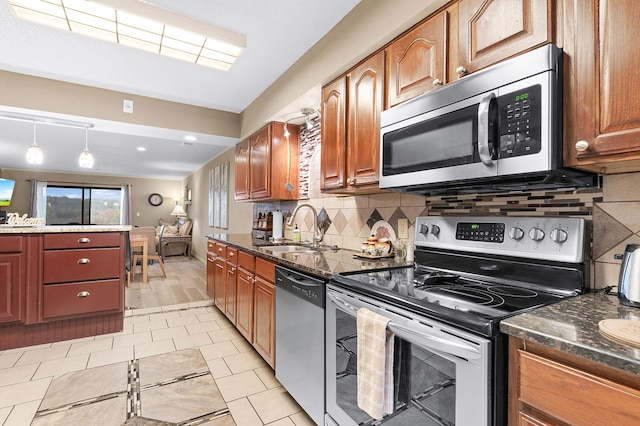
x=484, y=125
x=435, y=343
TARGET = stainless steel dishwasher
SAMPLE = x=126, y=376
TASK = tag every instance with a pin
x=300, y=351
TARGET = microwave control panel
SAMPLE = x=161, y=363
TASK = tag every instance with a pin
x=520, y=122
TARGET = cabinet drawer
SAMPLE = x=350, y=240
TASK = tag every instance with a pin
x=81, y=298
x=232, y=254
x=246, y=260
x=10, y=244
x=211, y=246
x=561, y=391
x=221, y=250
x=81, y=240
x=266, y=269
x=81, y=265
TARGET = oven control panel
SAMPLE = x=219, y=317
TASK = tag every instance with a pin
x=549, y=238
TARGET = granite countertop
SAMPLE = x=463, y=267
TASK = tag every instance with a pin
x=324, y=263
x=572, y=326
x=45, y=229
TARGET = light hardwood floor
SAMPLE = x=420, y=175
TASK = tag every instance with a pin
x=185, y=282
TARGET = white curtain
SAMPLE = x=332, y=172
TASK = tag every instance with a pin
x=38, y=204
x=125, y=202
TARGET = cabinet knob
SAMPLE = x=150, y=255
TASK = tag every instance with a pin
x=83, y=261
x=582, y=146
x=461, y=71
x=84, y=294
x=351, y=181
x=437, y=82
x=84, y=240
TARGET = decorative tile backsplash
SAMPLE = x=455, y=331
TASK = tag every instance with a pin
x=612, y=213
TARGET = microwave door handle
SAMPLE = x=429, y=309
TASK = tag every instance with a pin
x=483, y=130
x=434, y=343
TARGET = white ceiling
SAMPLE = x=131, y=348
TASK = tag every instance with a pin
x=278, y=33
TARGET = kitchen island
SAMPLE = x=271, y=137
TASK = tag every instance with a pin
x=563, y=371
x=60, y=282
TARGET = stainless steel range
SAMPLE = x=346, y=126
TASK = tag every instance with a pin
x=451, y=359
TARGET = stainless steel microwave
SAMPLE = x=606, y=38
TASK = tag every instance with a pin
x=499, y=129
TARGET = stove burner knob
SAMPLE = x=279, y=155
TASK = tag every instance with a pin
x=536, y=234
x=558, y=236
x=424, y=229
x=516, y=233
x=435, y=229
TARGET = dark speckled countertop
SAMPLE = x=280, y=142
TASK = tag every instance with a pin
x=572, y=326
x=324, y=263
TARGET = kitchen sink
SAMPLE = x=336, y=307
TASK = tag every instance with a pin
x=289, y=249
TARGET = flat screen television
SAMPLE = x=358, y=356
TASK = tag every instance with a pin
x=6, y=191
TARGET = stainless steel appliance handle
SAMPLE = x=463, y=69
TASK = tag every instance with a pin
x=304, y=282
x=483, y=130
x=432, y=342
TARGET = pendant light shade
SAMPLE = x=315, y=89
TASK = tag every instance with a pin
x=34, y=153
x=86, y=159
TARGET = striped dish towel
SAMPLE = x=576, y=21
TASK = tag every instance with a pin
x=375, y=364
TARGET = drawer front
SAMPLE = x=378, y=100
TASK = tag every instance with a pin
x=211, y=246
x=266, y=269
x=561, y=391
x=232, y=254
x=81, y=298
x=221, y=250
x=81, y=240
x=81, y=265
x=247, y=261
x=10, y=244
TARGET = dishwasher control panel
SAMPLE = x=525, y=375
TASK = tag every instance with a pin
x=301, y=285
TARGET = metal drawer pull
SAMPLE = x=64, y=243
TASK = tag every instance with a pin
x=83, y=261
x=84, y=294
x=84, y=240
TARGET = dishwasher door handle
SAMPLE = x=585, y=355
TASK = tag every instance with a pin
x=303, y=282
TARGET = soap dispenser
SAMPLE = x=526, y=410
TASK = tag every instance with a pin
x=296, y=234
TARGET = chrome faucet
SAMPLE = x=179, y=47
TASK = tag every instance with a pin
x=317, y=236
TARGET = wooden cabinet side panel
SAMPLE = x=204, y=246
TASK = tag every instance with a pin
x=241, y=167
x=219, y=282
x=366, y=91
x=210, y=274
x=230, y=295
x=11, y=287
x=245, y=287
x=333, y=134
x=416, y=60
x=493, y=30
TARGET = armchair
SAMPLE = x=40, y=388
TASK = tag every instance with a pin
x=176, y=239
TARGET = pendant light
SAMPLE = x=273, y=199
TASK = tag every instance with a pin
x=34, y=153
x=86, y=159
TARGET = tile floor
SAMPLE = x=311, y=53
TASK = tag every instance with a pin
x=181, y=364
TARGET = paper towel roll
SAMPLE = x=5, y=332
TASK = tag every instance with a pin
x=277, y=225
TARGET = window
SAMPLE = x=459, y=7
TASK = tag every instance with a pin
x=77, y=205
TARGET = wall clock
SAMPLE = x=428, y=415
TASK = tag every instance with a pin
x=155, y=199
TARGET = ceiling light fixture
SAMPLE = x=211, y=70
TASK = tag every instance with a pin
x=308, y=120
x=34, y=153
x=190, y=138
x=140, y=25
x=86, y=159
x=141, y=148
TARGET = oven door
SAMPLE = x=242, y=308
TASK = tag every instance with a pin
x=454, y=142
x=447, y=370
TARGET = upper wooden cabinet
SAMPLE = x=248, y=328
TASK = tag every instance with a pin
x=602, y=93
x=493, y=30
x=416, y=63
x=353, y=166
x=257, y=176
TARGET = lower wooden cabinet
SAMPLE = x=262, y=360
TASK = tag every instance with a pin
x=245, y=286
x=264, y=320
x=11, y=286
x=219, y=282
x=210, y=273
x=549, y=387
x=230, y=292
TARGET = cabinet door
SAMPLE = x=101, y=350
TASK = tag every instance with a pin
x=416, y=62
x=366, y=85
x=210, y=274
x=493, y=30
x=10, y=287
x=230, y=295
x=242, y=167
x=244, y=314
x=602, y=93
x=333, y=134
x=219, y=282
x=264, y=320
x=260, y=164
